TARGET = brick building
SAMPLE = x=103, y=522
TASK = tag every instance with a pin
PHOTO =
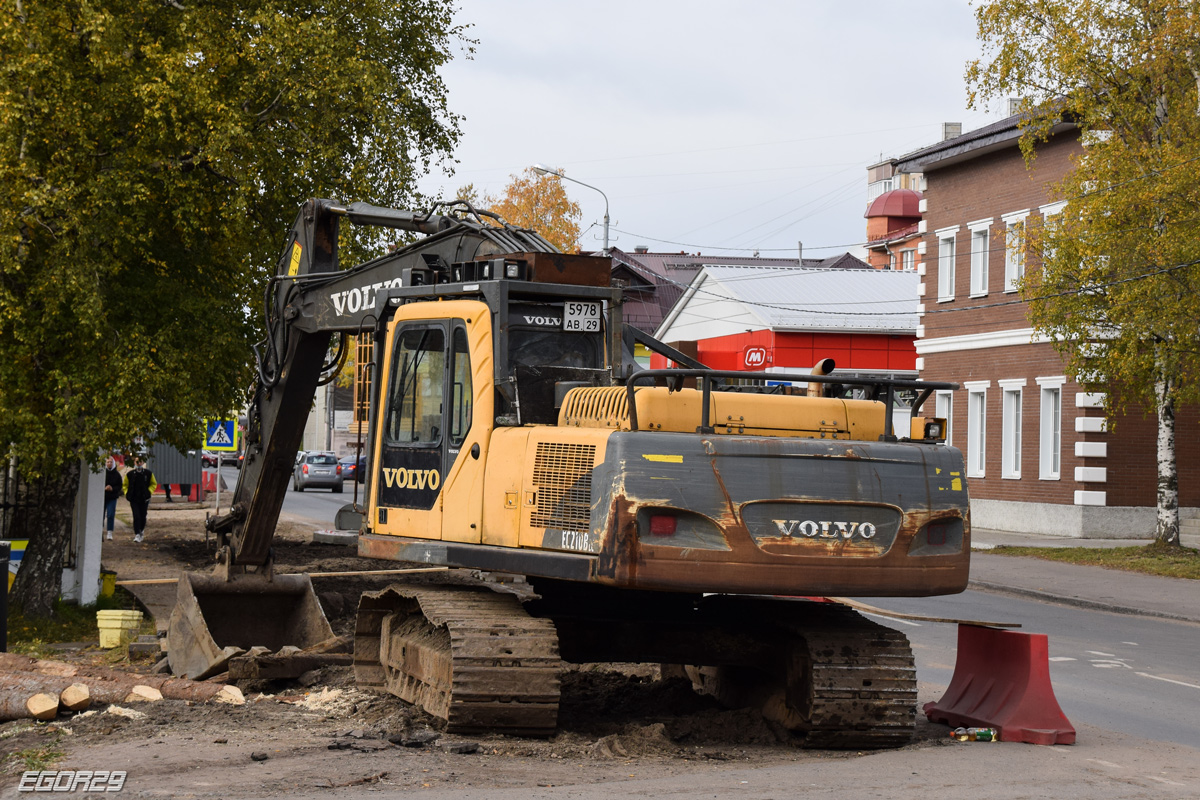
x=893, y=216
x=1041, y=456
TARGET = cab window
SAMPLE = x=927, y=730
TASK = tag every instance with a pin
x=460, y=407
x=414, y=411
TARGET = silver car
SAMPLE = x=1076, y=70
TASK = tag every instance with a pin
x=317, y=470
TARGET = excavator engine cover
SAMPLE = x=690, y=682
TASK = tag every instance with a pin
x=210, y=623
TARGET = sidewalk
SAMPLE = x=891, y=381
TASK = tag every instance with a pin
x=1089, y=587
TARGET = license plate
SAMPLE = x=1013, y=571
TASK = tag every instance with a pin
x=581, y=317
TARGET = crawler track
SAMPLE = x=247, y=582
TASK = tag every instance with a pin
x=471, y=657
x=839, y=678
x=858, y=689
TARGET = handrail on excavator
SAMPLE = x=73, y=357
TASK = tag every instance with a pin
x=708, y=377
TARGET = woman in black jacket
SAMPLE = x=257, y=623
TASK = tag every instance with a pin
x=139, y=485
x=113, y=488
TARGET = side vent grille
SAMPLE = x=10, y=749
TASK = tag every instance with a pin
x=562, y=474
x=595, y=407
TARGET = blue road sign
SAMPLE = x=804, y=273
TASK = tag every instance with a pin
x=220, y=435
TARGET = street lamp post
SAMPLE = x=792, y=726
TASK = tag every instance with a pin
x=544, y=170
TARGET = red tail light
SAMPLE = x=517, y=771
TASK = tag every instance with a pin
x=662, y=525
x=305, y=470
x=339, y=469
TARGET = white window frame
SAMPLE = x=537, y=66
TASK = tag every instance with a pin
x=1012, y=395
x=1050, y=434
x=977, y=428
x=908, y=260
x=1014, y=248
x=980, y=244
x=943, y=406
x=947, y=239
x=1049, y=211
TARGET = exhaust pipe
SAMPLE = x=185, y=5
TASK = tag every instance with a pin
x=822, y=367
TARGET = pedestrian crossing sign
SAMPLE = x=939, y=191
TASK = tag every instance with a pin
x=220, y=435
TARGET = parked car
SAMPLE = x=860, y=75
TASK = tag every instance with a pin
x=354, y=469
x=209, y=459
x=318, y=470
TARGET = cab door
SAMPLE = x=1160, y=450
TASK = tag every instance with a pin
x=436, y=423
x=412, y=445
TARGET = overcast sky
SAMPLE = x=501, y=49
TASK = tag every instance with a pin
x=712, y=127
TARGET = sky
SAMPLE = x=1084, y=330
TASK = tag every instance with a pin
x=711, y=127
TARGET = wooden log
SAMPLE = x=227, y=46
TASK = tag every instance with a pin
x=76, y=697
x=43, y=705
x=16, y=687
x=338, y=644
x=353, y=574
x=143, y=694
x=284, y=665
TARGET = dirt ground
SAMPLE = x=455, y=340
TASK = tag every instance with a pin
x=321, y=732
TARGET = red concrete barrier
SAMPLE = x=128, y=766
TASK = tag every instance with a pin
x=1002, y=680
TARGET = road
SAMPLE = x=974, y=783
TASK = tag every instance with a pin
x=317, y=506
x=1136, y=675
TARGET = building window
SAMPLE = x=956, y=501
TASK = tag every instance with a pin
x=946, y=255
x=944, y=408
x=1010, y=444
x=1014, y=249
x=908, y=260
x=1050, y=438
x=1049, y=214
x=976, y=432
x=979, y=261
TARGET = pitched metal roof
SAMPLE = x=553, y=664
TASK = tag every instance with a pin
x=810, y=299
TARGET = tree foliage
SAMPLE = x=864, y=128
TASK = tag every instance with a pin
x=152, y=157
x=1118, y=291
x=539, y=202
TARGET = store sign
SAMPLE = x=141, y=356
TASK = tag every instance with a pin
x=756, y=356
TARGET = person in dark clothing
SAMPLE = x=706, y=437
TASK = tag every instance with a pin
x=139, y=486
x=113, y=489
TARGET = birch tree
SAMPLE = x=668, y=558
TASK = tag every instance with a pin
x=1119, y=289
x=152, y=156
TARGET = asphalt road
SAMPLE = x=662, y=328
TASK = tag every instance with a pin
x=1136, y=675
x=317, y=506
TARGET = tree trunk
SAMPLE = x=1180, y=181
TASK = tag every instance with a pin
x=50, y=515
x=1167, y=531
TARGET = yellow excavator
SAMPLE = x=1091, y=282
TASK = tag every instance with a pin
x=682, y=516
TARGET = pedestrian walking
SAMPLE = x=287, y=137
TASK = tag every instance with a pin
x=113, y=489
x=139, y=485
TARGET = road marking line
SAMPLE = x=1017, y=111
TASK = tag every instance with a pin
x=1168, y=680
x=1063, y=658
x=891, y=619
x=1098, y=653
x=1164, y=780
x=1133, y=644
x=1104, y=763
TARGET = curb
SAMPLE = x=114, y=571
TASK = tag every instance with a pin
x=1078, y=602
x=335, y=537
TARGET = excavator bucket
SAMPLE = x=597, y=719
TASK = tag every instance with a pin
x=215, y=620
